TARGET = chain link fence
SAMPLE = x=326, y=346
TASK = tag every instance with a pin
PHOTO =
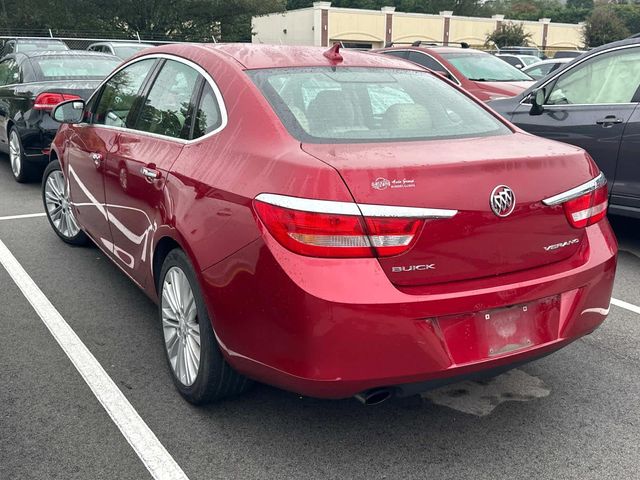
x=80, y=40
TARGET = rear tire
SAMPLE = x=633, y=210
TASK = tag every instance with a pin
x=55, y=197
x=199, y=371
x=22, y=171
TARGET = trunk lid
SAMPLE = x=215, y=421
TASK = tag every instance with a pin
x=461, y=175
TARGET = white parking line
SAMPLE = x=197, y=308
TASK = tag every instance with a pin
x=18, y=217
x=155, y=457
x=628, y=306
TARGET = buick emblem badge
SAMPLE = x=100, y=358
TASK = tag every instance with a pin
x=502, y=201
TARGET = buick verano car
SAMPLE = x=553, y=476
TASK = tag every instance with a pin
x=334, y=224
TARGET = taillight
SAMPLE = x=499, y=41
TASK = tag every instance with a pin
x=48, y=100
x=319, y=228
x=585, y=204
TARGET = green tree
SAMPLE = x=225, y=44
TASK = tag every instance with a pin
x=508, y=33
x=198, y=20
x=585, y=4
x=604, y=26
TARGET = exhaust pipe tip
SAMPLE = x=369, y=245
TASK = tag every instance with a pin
x=375, y=396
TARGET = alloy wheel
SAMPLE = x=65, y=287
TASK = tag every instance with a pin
x=15, y=153
x=58, y=207
x=180, y=326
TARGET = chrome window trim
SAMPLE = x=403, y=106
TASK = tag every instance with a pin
x=214, y=86
x=350, y=208
x=578, y=191
x=571, y=67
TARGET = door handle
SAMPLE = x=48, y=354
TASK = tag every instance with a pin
x=609, y=121
x=97, y=159
x=150, y=173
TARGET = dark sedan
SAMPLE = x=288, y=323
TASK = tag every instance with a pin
x=591, y=102
x=31, y=84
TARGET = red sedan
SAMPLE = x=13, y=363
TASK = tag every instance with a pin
x=332, y=223
x=480, y=73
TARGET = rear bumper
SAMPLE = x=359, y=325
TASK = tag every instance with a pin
x=333, y=328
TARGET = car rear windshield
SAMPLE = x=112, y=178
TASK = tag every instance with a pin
x=348, y=104
x=74, y=67
x=483, y=67
x=32, y=46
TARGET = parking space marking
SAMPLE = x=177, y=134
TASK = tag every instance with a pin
x=626, y=305
x=154, y=456
x=27, y=215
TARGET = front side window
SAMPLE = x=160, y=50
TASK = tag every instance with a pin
x=347, y=105
x=483, y=67
x=119, y=94
x=167, y=106
x=604, y=79
x=207, y=117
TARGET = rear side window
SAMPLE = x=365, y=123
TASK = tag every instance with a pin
x=397, y=53
x=207, y=117
x=346, y=105
x=9, y=72
x=167, y=106
x=120, y=93
x=426, y=61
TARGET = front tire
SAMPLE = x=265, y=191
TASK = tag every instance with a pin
x=199, y=371
x=57, y=206
x=22, y=171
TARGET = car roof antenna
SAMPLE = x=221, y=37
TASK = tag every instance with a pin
x=333, y=53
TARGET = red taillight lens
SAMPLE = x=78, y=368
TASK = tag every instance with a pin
x=587, y=209
x=338, y=235
x=48, y=100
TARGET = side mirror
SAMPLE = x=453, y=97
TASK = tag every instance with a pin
x=537, y=101
x=71, y=111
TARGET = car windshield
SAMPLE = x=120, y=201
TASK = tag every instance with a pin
x=483, y=67
x=529, y=59
x=30, y=46
x=348, y=105
x=125, y=51
x=74, y=66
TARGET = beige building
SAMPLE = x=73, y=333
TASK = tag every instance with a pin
x=323, y=25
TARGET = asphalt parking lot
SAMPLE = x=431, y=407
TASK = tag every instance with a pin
x=574, y=414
